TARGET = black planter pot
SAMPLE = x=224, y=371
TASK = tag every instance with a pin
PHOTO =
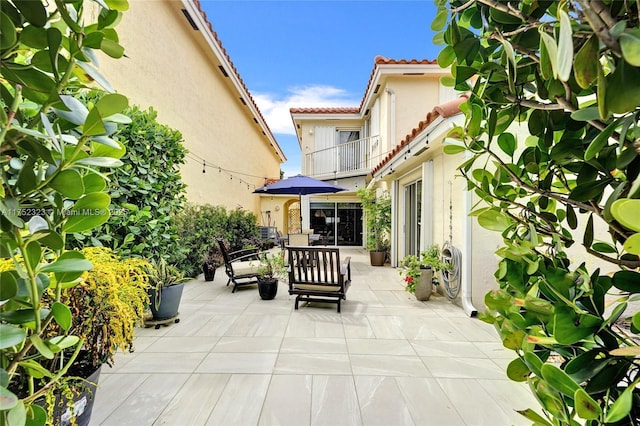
x=377, y=257
x=209, y=270
x=268, y=288
x=82, y=403
x=169, y=301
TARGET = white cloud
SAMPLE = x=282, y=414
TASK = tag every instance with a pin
x=275, y=108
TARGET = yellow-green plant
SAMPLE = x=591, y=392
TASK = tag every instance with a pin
x=108, y=303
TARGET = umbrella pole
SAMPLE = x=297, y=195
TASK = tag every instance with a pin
x=300, y=204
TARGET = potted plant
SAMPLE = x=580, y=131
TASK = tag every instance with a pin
x=271, y=268
x=107, y=304
x=165, y=290
x=421, y=273
x=212, y=260
x=377, y=210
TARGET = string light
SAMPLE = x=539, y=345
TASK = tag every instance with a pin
x=231, y=173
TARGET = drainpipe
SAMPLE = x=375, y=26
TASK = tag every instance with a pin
x=392, y=117
x=467, y=258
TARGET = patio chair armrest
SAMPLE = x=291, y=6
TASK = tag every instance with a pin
x=244, y=252
x=250, y=256
x=345, y=267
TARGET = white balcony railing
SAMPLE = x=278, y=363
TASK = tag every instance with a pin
x=349, y=158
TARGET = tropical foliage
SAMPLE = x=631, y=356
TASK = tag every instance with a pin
x=197, y=227
x=552, y=135
x=55, y=154
x=377, y=211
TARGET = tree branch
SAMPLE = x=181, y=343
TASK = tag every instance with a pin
x=631, y=264
x=533, y=105
x=508, y=9
x=463, y=7
x=600, y=28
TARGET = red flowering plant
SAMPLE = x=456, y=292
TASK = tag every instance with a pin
x=410, y=269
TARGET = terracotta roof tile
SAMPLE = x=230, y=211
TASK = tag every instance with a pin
x=444, y=110
x=233, y=67
x=378, y=60
x=338, y=110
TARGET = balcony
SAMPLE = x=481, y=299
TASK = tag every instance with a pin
x=354, y=158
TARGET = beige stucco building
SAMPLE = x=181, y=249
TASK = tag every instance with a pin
x=343, y=145
x=176, y=63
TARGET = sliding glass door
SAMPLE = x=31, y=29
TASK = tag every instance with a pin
x=337, y=223
x=412, y=217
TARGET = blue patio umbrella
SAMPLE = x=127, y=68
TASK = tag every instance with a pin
x=299, y=185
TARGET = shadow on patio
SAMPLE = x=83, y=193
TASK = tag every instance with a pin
x=388, y=359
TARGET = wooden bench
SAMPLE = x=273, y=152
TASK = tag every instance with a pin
x=317, y=275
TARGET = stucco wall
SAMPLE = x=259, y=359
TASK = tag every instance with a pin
x=170, y=67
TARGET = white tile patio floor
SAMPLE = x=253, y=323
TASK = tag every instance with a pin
x=388, y=359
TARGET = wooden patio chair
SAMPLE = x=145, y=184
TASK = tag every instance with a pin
x=241, y=266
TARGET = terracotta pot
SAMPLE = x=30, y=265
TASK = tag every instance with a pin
x=424, y=284
x=377, y=257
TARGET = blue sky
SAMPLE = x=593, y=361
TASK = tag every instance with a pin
x=316, y=53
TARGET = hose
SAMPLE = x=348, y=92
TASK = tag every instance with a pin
x=451, y=277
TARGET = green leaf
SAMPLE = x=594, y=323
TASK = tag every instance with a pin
x=630, y=46
x=8, y=36
x=33, y=11
x=8, y=400
x=67, y=264
x=535, y=417
x=623, y=90
x=599, y=141
x=119, y=5
x=88, y=212
x=627, y=281
x=636, y=320
x=93, y=125
x=559, y=380
x=627, y=212
x=48, y=238
x=112, y=104
x=8, y=285
x=440, y=19
x=33, y=36
x=18, y=414
x=507, y=142
x=41, y=346
x=68, y=183
x=586, y=63
x=565, y=47
x=586, y=406
x=621, y=407
x=586, y=114
x=518, y=371
x=494, y=220
x=453, y=149
x=551, y=51
x=632, y=244
x=111, y=48
x=11, y=336
x=62, y=314
x=93, y=183
x=32, y=254
x=54, y=40
x=35, y=369
x=602, y=94
x=588, y=191
x=36, y=416
x=64, y=342
x=99, y=161
x=95, y=75
x=446, y=57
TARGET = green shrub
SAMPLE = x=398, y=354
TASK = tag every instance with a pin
x=198, y=225
x=146, y=192
x=571, y=71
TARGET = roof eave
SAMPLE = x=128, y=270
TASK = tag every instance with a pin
x=197, y=15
